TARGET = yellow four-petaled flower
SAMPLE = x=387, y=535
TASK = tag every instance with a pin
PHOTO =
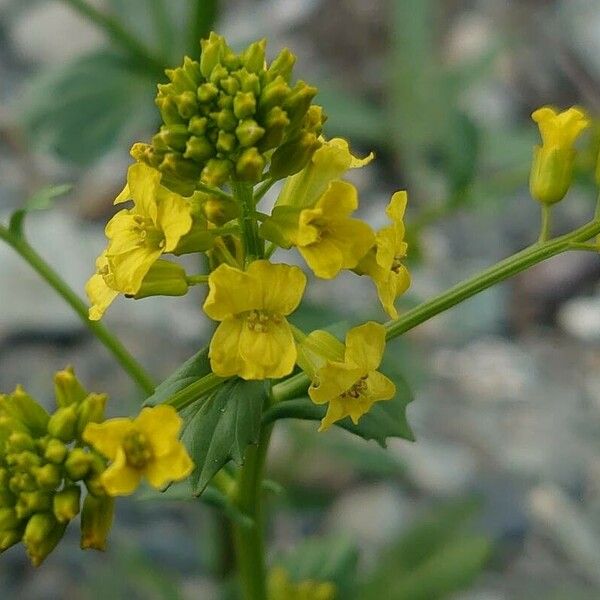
x=253, y=340
x=147, y=446
x=352, y=384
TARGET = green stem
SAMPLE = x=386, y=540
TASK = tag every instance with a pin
x=213, y=191
x=296, y=385
x=254, y=244
x=546, y=226
x=249, y=541
x=262, y=189
x=118, y=34
x=196, y=279
x=499, y=272
x=129, y=364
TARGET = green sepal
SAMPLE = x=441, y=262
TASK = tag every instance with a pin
x=281, y=227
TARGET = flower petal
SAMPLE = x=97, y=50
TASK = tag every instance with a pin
x=128, y=269
x=174, y=219
x=268, y=354
x=325, y=258
x=333, y=380
x=107, y=437
x=144, y=182
x=224, y=354
x=120, y=479
x=174, y=466
x=161, y=425
x=231, y=291
x=100, y=296
x=380, y=387
x=282, y=286
x=340, y=199
x=365, y=345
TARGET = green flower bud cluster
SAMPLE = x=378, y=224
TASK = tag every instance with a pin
x=281, y=587
x=43, y=464
x=229, y=115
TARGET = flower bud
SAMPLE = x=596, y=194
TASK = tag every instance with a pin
x=22, y=407
x=199, y=149
x=552, y=167
x=9, y=538
x=91, y=410
x=249, y=132
x=42, y=533
x=78, y=464
x=96, y=520
x=282, y=65
x=219, y=211
x=294, y=155
x=216, y=171
x=164, y=278
x=55, y=451
x=67, y=388
x=47, y=477
x=8, y=519
x=32, y=502
x=250, y=165
x=63, y=423
x=24, y=461
x=19, y=441
x=212, y=50
x=65, y=504
x=21, y=482
x=253, y=57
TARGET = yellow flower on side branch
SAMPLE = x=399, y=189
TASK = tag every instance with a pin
x=552, y=168
x=352, y=384
x=147, y=446
x=384, y=262
x=253, y=340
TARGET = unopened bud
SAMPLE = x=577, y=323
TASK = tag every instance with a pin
x=55, y=451
x=48, y=477
x=187, y=104
x=281, y=66
x=24, y=461
x=292, y=156
x=63, y=423
x=219, y=211
x=199, y=149
x=273, y=94
x=253, y=56
x=78, y=464
x=212, y=49
x=9, y=538
x=165, y=278
x=67, y=388
x=65, y=504
x=32, y=502
x=226, y=142
x=216, y=171
x=91, y=410
x=96, y=520
x=22, y=407
x=168, y=110
x=19, y=441
x=8, y=519
x=42, y=533
x=249, y=132
x=244, y=105
x=250, y=165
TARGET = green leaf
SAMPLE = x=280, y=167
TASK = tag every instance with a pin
x=332, y=559
x=222, y=428
x=43, y=199
x=385, y=420
x=190, y=371
x=81, y=110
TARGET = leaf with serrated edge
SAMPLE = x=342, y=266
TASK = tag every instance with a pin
x=223, y=427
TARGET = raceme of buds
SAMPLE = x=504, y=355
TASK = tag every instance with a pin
x=44, y=465
x=552, y=167
x=227, y=116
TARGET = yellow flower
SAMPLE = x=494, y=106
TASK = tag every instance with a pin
x=147, y=446
x=253, y=340
x=352, y=385
x=139, y=236
x=99, y=293
x=384, y=262
x=327, y=238
x=552, y=168
x=327, y=164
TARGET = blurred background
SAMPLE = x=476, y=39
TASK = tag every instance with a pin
x=499, y=498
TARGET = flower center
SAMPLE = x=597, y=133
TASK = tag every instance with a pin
x=261, y=320
x=358, y=389
x=147, y=232
x=397, y=264
x=138, y=451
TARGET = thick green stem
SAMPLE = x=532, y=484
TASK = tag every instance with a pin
x=249, y=540
x=118, y=34
x=296, y=386
x=254, y=244
x=129, y=364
